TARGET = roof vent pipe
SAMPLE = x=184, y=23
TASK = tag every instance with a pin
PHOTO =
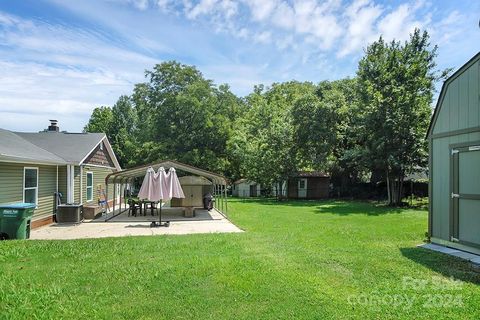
x=53, y=126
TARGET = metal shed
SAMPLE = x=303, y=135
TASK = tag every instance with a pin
x=119, y=180
x=454, y=161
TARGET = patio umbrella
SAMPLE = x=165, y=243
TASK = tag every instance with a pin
x=152, y=187
x=173, y=187
x=160, y=186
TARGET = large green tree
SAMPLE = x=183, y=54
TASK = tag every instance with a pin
x=396, y=83
x=100, y=120
x=267, y=134
x=188, y=117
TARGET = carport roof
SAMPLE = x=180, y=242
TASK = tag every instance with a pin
x=140, y=171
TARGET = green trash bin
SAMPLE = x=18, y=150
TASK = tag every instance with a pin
x=15, y=220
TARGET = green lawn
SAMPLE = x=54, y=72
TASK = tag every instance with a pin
x=307, y=260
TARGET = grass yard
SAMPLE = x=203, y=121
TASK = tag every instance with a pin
x=297, y=259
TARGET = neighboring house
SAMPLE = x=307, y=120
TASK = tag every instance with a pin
x=454, y=162
x=303, y=185
x=35, y=166
x=308, y=185
x=245, y=188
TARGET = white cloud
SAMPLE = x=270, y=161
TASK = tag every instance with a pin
x=262, y=37
x=203, y=7
x=361, y=16
x=140, y=4
x=401, y=22
x=53, y=70
x=56, y=69
x=261, y=9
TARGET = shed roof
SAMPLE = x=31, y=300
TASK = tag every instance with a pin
x=445, y=85
x=140, y=171
x=194, y=181
x=316, y=174
x=243, y=180
x=15, y=148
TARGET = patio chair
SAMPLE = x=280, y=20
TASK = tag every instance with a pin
x=133, y=206
x=152, y=206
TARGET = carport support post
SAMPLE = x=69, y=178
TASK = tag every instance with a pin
x=226, y=200
x=120, y=199
x=106, y=198
x=215, y=195
x=114, y=196
x=223, y=198
x=220, y=197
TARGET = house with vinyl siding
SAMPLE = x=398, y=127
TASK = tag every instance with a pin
x=34, y=167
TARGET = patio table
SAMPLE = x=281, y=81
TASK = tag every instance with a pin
x=153, y=205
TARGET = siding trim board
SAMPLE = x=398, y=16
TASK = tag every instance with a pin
x=99, y=166
x=455, y=133
x=430, y=193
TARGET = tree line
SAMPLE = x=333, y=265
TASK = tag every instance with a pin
x=369, y=128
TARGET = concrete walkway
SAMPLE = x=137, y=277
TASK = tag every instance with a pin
x=473, y=258
x=94, y=229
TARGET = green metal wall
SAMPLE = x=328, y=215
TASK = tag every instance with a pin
x=460, y=105
x=440, y=176
x=11, y=186
x=459, y=113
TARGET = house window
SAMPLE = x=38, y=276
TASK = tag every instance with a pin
x=89, y=186
x=30, y=185
x=101, y=145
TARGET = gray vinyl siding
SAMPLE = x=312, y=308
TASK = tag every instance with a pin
x=11, y=186
x=76, y=182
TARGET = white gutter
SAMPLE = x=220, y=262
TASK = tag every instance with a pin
x=14, y=159
x=81, y=184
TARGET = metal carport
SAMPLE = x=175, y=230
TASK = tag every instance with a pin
x=121, y=178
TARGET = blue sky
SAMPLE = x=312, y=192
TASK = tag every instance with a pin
x=60, y=59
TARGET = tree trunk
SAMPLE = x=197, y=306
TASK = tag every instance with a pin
x=389, y=196
x=395, y=188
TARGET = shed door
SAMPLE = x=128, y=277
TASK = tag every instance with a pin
x=302, y=188
x=466, y=195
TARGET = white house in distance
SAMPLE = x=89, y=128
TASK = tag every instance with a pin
x=245, y=188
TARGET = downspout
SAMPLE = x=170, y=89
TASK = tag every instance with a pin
x=81, y=185
x=56, y=198
x=69, y=184
x=72, y=176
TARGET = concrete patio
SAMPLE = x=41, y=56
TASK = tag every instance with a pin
x=124, y=226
